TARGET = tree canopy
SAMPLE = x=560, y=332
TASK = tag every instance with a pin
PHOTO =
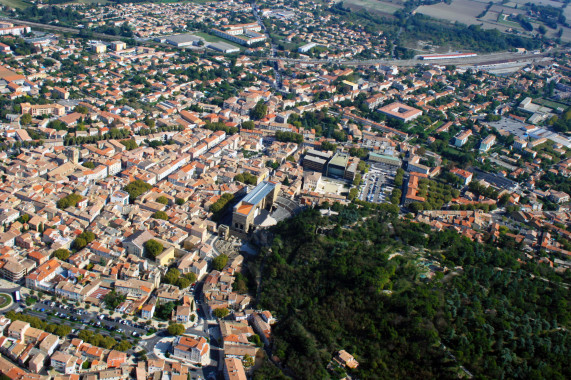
x=153, y=248
x=137, y=188
x=176, y=329
x=70, y=200
x=351, y=281
x=219, y=262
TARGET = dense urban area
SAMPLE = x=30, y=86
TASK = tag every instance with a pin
x=285, y=190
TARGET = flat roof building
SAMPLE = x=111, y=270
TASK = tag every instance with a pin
x=401, y=112
x=223, y=47
x=384, y=159
x=181, y=40
x=337, y=165
x=316, y=160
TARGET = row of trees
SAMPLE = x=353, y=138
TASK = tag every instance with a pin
x=35, y=322
x=221, y=205
x=104, y=341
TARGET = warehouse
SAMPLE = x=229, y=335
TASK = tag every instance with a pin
x=182, y=40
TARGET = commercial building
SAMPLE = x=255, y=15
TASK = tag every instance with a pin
x=337, y=165
x=316, y=160
x=401, y=112
x=384, y=159
x=262, y=197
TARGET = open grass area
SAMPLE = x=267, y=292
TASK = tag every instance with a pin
x=211, y=38
x=19, y=4
x=5, y=300
x=373, y=5
x=93, y=1
x=182, y=2
x=550, y=104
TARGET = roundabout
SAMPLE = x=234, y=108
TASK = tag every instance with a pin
x=5, y=300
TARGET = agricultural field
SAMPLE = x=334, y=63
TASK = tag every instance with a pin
x=464, y=11
x=519, y=3
x=467, y=12
x=387, y=7
x=19, y=4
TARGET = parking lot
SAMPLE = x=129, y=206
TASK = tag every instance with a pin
x=80, y=319
x=378, y=184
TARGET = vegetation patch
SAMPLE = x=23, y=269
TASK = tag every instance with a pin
x=336, y=283
x=5, y=300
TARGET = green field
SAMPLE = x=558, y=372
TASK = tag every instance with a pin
x=5, y=300
x=182, y=2
x=93, y=1
x=549, y=103
x=19, y=4
x=212, y=38
x=373, y=5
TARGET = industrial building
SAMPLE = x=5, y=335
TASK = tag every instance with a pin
x=447, y=56
x=262, y=197
x=307, y=47
x=223, y=47
x=182, y=40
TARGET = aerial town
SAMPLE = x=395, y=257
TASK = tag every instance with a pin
x=142, y=175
